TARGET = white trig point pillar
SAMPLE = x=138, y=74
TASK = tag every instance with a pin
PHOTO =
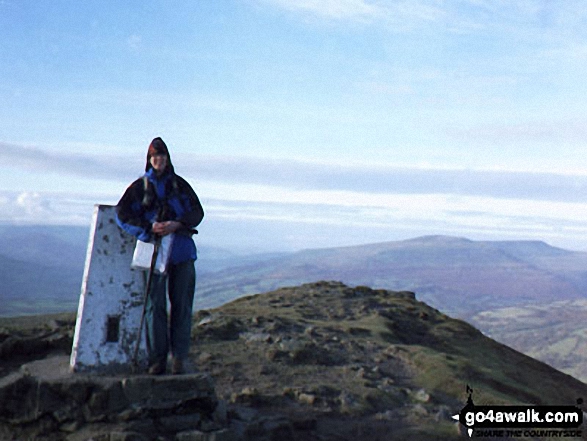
x=111, y=300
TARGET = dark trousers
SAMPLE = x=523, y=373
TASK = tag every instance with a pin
x=174, y=333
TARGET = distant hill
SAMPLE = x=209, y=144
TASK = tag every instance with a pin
x=479, y=281
x=457, y=275
x=40, y=268
x=48, y=245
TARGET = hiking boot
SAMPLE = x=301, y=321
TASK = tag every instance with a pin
x=158, y=368
x=177, y=366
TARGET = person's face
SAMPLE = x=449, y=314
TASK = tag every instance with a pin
x=159, y=162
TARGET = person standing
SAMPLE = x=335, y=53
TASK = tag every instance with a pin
x=153, y=206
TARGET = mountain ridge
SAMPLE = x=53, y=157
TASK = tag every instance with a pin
x=321, y=361
x=463, y=278
x=425, y=264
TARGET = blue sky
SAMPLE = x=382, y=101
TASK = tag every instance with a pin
x=303, y=123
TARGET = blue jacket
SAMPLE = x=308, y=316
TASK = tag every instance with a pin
x=152, y=199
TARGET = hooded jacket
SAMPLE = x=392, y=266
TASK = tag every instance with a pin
x=153, y=198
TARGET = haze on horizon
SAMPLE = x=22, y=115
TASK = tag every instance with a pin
x=303, y=123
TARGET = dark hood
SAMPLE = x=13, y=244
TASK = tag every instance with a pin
x=158, y=146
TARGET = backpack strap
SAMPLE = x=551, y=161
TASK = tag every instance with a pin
x=146, y=199
x=150, y=194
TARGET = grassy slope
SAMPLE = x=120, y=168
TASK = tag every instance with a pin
x=562, y=337
x=362, y=353
x=373, y=331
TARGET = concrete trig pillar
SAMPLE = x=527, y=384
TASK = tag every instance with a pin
x=111, y=300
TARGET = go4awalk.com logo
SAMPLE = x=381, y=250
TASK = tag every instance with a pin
x=518, y=421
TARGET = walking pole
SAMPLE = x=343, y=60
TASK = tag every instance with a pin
x=135, y=359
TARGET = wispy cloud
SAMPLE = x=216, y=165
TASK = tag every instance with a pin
x=300, y=175
x=134, y=41
x=375, y=201
x=461, y=16
x=378, y=179
x=332, y=219
x=332, y=9
x=320, y=204
x=568, y=132
x=32, y=205
x=404, y=13
x=45, y=208
x=44, y=160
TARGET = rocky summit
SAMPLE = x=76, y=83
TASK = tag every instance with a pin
x=321, y=361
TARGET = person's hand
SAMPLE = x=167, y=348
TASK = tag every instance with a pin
x=165, y=228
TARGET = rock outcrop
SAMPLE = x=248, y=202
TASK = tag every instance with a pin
x=317, y=362
x=43, y=400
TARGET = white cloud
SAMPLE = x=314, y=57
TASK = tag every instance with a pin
x=460, y=16
x=32, y=204
x=375, y=199
x=45, y=160
x=569, y=131
x=334, y=9
x=375, y=179
x=333, y=217
x=395, y=11
x=382, y=217
x=259, y=175
x=134, y=41
x=45, y=208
